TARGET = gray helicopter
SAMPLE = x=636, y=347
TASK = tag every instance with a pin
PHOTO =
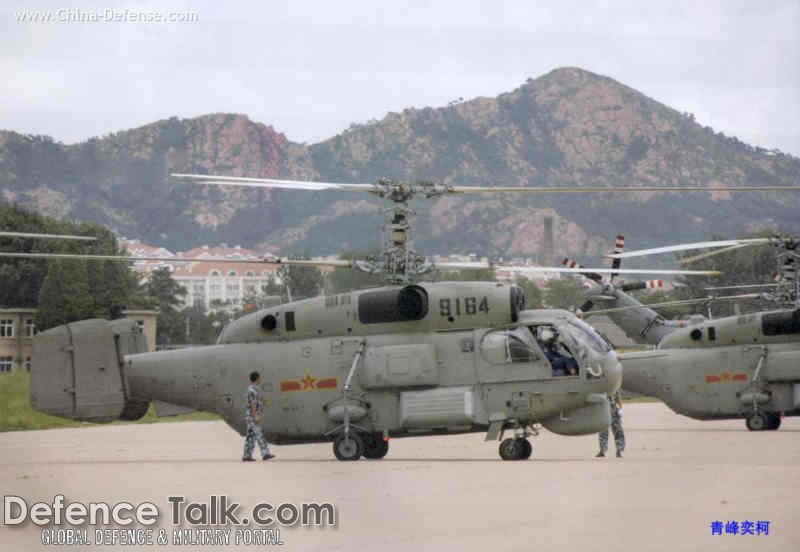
x=358, y=368
x=743, y=366
x=639, y=322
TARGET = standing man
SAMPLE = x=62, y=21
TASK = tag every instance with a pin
x=252, y=416
x=615, y=404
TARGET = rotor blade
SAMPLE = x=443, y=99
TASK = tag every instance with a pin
x=708, y=254
x=366, y=187
x=463, y=265
x=45, y=236
x=569, y=263
x=652, y=305
x=271, y=183
x=688, y=247
x=750, y=286
x=677, y=303
x=600, y=189
x=545, y=269
x=124, y=258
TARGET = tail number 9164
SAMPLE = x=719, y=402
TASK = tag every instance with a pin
x=463, y=305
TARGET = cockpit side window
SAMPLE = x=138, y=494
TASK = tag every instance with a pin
x=781, y=323
x=509, y=346
x=559, y=356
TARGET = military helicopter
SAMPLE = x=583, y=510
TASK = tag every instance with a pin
x=641, y=324
x=411, y=358
x=743, y=366
x=639, y=321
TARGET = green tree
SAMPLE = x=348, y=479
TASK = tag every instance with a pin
x=64, y=296
x=166, y=295
x=468, y=275
x=301, y=282
x=564, y=293
x=533, y=295
x=346, y=279
x=749, y=265
x=110, y=283
x=203, y=327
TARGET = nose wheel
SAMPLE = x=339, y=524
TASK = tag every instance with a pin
x=515, y=448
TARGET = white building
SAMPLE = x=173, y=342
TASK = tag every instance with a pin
x=227, y=284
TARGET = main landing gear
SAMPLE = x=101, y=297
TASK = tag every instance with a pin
x=354, y=445
x=760, y=421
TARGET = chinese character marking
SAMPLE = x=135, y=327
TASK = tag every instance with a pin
x=716, y=527
x=762, y=527
x=747, y=527
x=732, y=528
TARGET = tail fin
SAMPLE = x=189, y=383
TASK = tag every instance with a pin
x=78, y=370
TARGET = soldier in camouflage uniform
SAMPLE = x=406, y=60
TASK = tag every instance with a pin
x=615, y=404
x=252, y=416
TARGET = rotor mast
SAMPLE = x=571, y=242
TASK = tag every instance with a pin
x=787, y=285
x=398, y=263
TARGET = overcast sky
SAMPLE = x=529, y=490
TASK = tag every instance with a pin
x=312, y=68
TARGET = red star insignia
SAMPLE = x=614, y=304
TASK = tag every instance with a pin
x=308, y=381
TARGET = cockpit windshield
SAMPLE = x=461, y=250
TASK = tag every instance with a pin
x=584, y=334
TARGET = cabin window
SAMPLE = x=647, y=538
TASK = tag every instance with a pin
x=781, y=323
x=289, y=317
x=508, y=346
x=393, y=305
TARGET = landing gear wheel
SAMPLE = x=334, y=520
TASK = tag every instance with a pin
x=375, y=447
x=773, y=420
x=527, y=449
x=515, y=449
x=756, y=422
x=348, y=447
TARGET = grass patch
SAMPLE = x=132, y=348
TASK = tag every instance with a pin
x=16, y=413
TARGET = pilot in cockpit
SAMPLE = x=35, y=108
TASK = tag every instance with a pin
x=562, y=365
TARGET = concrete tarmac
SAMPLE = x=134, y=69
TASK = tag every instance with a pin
x=439, y=493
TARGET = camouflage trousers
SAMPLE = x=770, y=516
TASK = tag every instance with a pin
x=252, y=437
x=616, y=429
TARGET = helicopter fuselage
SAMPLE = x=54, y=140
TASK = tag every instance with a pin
x=419, y=359
x=735, y=367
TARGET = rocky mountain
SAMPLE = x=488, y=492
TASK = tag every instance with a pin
x=568, y=127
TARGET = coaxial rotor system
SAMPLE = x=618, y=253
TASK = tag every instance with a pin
x=398, y=263
x=784, y=290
